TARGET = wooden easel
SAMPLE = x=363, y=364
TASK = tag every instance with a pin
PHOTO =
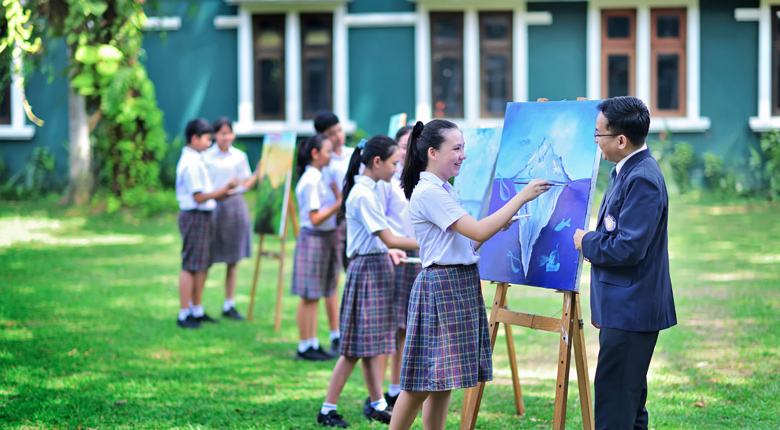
x=569, y=327
x=292, y=217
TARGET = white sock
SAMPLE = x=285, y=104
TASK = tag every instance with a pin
x=315, y=343
x=183, y=314
x=393, y=390
x=197, y=311
x=229, y=303
x=380, y=405
x=303, y=345
x=335, y=334
x=327, y=407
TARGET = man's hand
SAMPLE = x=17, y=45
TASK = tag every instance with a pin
x=578, y=235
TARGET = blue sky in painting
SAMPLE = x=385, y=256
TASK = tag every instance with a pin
x=525, y=127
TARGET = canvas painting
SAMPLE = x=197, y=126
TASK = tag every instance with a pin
x=476, y=174
x=552, y=141
x=274, y=183
x=397, y=121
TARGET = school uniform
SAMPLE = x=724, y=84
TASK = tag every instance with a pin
x=367, y=319
x=397, y=211
x=316, y=260
x=447, y=339
x=196, y=222
x=233, y=234
x=335, y=172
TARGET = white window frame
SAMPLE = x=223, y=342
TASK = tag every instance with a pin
x=693, y=121
x=246, y=125
x=18, y=129
x=521, y=19
x=764, y=121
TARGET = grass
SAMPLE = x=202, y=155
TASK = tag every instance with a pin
x=88, y=340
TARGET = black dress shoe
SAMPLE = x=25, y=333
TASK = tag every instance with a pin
x=206, y=318
x=332, y=419
x=335, y=347
x=232, y=313
x=311, y=354
x=189, y=322
x=326, y=355
x=375, y=415
x=391, y=400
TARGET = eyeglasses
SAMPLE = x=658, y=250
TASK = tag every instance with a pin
x=597, y=135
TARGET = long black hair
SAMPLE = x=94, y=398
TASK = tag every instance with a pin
x=304, y=151
x=378, y=146
x=423, y=136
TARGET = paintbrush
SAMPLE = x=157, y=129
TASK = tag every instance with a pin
x=551, y=183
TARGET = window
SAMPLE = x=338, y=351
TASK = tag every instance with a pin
x=667, y=50
x=269, y=67
x=5, y=96
x=618, y=53
x=316, y=63
x=495, y=46
x=447, y=64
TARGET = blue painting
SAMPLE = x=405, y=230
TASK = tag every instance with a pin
x=476, y=174
x=552, y=141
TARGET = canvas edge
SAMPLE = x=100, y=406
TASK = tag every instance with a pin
x=591, y=195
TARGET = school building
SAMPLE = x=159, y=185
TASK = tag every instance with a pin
x=708, y=69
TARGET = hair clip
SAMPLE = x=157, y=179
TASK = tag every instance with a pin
x=362, y=144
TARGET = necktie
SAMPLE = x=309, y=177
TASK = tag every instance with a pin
x=612, y=176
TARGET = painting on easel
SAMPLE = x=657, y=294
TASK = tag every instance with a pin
x=396, y=122
x=476, y=175
x=274, y=186
x=552, y=141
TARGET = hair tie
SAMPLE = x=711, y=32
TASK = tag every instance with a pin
x=362, y=144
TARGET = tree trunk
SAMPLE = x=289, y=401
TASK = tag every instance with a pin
x=80, y=151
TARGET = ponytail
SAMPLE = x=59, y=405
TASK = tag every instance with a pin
x=304, y=157
x=365, y=153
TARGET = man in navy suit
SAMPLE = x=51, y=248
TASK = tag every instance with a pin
x=630, y=288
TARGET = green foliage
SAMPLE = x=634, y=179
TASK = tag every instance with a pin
x=35, y=180
x=766, y=164
x=676, y=159
x=269, y=207
x=717, y=180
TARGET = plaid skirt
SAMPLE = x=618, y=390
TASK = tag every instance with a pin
x=367, y=319
x=233, y=235
x=341, y=242
x=315, y=265
x=197, y=233
x=405, y=275
x=447, y=339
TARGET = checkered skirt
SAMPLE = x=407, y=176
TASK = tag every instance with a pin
x=315, y=265
x=447, y=339
x=197, y=233
x=233, y=235
x=405, y=275
x=367, y=320
x=341, y=242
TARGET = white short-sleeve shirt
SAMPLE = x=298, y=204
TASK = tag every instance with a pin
x=365, y=217
x=314, y=194
x=336, y=170
x=392, y=197
x=192, y=177
x=433, y=208
x=224, y=166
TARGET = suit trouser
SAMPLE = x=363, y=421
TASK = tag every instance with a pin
x=621, y=379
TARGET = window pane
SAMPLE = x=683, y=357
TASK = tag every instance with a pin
x=497, y=70
x=5, y=97
x=271, y=86
x=776, y=82
x=668, y=26
x=317, y=31
x=270, y=38
x=446, y=29
x=618, y=74
x=618, y=27
x=668, y=81
x=447, y=94
x=318, y=79
x=496, y=28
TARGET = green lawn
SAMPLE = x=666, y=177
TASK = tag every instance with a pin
x=88, y=339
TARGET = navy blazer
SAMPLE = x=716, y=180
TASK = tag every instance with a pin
x=630, y=286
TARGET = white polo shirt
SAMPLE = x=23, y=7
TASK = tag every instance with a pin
x=224, y=166
x=314, y=194
x=392, y=197
x=336, y=170
x=433, y=208
x=365, y=217
x=192, y=177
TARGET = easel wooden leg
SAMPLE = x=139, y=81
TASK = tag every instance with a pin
x=280, y=286
x=564, y=361
x=580, y=358
x=254, y=278
x=473, y=396
x=510, y=348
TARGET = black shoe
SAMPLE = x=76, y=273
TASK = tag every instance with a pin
x=335, y=347
x=333, y=419
x=391, y=400
x=375, y=415
x=190, y=322
x=326, y=355
x=206, y=318
x=232, y=313
x=312, y=354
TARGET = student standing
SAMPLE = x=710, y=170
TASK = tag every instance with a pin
x=447, y=341
x=367, y=319
x=196, y=196
x=631, y=296
x=327, y=123
x=316, y=262
x=233, y=234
